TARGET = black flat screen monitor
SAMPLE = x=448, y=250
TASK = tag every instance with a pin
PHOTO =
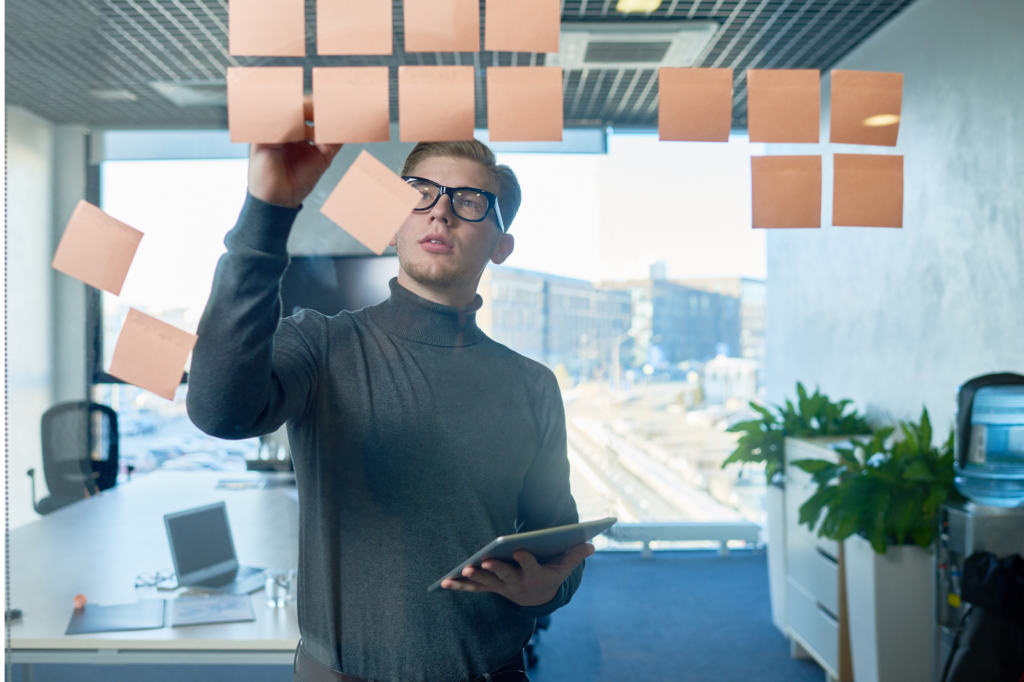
x=331, y=284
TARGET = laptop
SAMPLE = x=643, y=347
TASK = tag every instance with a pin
x=204, y=554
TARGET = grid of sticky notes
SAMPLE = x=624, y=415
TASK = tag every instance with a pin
x=98, y=250
x=265, y=104
x=784, y=107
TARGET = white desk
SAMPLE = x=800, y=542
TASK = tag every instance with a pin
x=97, y=547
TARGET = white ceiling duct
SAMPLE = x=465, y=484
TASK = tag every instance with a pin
x=632, y=44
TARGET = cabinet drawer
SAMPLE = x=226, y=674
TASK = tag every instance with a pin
x=817, y=573
x=799, y=488
x=815, y=628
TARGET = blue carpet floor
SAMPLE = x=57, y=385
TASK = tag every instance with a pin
x=679, y=617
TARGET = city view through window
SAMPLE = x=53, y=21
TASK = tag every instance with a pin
x=635, y=278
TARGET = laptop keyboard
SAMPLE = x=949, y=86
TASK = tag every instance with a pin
x=242, y=573
x=247, y=571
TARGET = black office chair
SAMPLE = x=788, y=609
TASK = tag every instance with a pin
x=80, y=453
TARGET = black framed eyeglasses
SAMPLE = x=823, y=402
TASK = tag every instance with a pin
x=468, y=203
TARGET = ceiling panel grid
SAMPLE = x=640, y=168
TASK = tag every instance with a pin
x=95, y=61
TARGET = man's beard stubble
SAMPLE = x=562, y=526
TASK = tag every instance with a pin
x=425, y=275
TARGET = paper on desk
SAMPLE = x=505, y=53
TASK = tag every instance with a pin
x=265, y=104
x=96, y=248
x=524, y=104
x=353, y=27
x=269, y=28
x=370, y=202
x=442, y=25
x=351, y=104
x=522, y=25
x=865, y=107
x=867, y=190
x=151, y=354
x=436, y=103
x=783, y=105
x=694, y=105
x=227, y=608
x=786, y=191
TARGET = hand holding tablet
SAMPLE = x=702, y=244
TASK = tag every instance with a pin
x=526, y=568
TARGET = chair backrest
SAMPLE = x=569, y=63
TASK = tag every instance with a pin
x=80, y=449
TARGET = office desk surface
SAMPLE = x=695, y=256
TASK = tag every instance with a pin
x=98, y=546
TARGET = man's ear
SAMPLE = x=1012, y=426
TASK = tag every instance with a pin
x=503, y=249
x=394, y=240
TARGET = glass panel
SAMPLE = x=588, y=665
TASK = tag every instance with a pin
x=184, y=209
x=644, y=293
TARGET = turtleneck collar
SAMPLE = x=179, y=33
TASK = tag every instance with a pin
x=415, y=318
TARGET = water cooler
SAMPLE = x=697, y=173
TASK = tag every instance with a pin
x=990, y=473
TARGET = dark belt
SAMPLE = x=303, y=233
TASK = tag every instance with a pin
x=311, y=671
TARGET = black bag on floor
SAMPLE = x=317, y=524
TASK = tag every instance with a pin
x=990, y=642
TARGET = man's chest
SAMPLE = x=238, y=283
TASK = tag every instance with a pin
x=409, y=423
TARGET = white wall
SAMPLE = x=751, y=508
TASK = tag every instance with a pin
x=45, y=310
x=30, y=144
x=899, y=318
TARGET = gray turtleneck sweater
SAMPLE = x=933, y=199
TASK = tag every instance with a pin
x=416, y=440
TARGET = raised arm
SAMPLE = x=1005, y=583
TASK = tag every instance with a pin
x=251, y=371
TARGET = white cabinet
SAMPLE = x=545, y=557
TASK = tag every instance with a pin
x=815, y=589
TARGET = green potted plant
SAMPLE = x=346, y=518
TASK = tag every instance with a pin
x=813, y=416
x=881, y=499
x=763, y=440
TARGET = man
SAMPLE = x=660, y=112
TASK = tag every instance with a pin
x=415, y=438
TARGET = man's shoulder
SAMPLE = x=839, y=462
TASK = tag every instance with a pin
x=522, y=364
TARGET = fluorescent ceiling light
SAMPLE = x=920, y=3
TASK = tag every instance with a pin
x=194, y=93
x=637, y=5
x=114, y=95
x=881, y=120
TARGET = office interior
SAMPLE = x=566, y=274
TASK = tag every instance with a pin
x=892, y=319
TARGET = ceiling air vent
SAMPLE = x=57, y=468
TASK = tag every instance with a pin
x=632, y=44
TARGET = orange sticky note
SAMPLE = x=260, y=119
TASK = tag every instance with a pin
x=522, y=25
x=267, y=28
x=786, y=191
x=353, y=27
x=371, y=202
x=96, y=249
x=265, y=104
x=784, y=105
x=436, y=103
x=867, y=190
x=350, y=104
x=694, y=105
x=151, y=354
x=442, y=25
x=866, y=107
x=524, y=104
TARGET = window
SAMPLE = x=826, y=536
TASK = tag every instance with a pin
x=184, y=209
x=639, y=325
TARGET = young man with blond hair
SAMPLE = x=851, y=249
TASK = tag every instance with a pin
x=415, y=438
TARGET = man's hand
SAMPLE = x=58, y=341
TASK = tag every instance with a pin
x=285, y=174
x=531, y=584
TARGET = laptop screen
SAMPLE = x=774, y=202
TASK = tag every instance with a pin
x=200, y=539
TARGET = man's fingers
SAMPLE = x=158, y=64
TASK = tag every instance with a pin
x=573, y=556
x=526, y=560
x=483, y=577
x=499, y=568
